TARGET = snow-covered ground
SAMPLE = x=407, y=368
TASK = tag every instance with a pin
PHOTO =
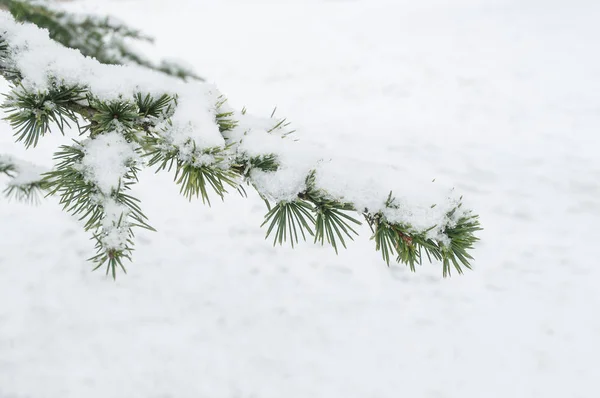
x=499, y=97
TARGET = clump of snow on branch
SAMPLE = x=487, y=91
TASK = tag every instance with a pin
x=107, y=160
x=282, y=185
x=115, y=225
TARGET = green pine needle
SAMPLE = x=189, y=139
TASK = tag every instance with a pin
x=266, y=163
x=154, y=107
x=27, y=193
x=194, y=178
x=287, y=219
x=78, y=196
x=332, y=219
x=121, y=116
x=112, y=259
x=31, y=115
x=462, y=238
x=409, y=246
x=194, y=181
x=332, y=224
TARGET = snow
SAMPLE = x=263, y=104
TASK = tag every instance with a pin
x=497, y=98
x=193, y=125
x=107, y=159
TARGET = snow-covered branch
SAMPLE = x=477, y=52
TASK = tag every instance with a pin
x=138, y=117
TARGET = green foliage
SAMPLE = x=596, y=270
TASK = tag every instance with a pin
x=244, y=164
x=332, y=219
x=194, y=180
x=385, y=237
x=154, y=107
x=193, y=171
x=266, y=163
x=224, y=118
x=113, y=258
x=408, y=245
x=31, y=115
x=462, y=238
x=287, y=218
x=83, y=199
x=120, y=116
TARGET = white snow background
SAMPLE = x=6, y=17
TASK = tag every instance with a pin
x=501, y=98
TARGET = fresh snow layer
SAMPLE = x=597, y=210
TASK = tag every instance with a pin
x=499, y=99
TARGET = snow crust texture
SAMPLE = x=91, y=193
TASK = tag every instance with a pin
x=497, y=98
